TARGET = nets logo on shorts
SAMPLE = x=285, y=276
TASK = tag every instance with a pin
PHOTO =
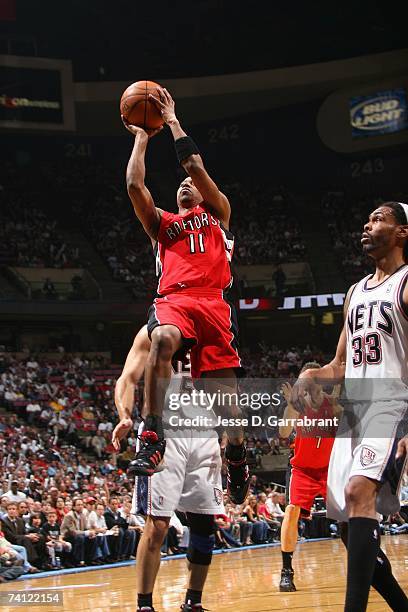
x=217, y=496
x=367, y=456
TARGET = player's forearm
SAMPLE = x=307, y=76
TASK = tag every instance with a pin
x=124, y=397
x=176, y=129
x=136, y=170
x=132, y=373
x=333, y=371
x=191, y=162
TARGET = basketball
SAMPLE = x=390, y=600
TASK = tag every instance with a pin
x=136, y=107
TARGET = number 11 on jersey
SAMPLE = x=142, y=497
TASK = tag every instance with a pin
x=193, y=245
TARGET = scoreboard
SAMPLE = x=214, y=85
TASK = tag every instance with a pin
x=36, y=94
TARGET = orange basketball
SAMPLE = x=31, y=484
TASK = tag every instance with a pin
x=136, y=107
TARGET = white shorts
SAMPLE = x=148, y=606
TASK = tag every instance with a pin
x=357, y=453
x=189, y=482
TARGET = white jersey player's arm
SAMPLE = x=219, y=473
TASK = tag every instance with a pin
x=126, y=383
x=131, y=374
x=336, y=368
x=402, y=448
x=333, y=399
x=405, y=296
x=333, y=371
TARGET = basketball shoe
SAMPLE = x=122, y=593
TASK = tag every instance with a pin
x=237, y=473
x=286, y=584
x=187, y=607
x=146, y=609
x=149, y=458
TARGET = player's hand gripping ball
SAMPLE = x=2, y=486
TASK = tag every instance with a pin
x=136, y=107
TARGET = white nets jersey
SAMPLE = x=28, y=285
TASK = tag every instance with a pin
x=376, y=384
x=377, y=331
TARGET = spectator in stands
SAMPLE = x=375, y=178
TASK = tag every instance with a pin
x=135, y=522
x=96, y=522
x=48, y=289
x=78, y=292
x=45, y=416
x=23, y=512
x=273, y=507
x=60, y=509
x=223, y=532
x=255, y=485
x=263, y=511
x=14, y=531
x=14, y=494
x=98, y=443
x=74, y=530
x=32, y=409
x=16, y=555
x=257, y=452
x=123, y=545
x=243, y=528
x=4, y=502
x=34, y=527
x=56, y=545
x=83, y=468
x=259, y=527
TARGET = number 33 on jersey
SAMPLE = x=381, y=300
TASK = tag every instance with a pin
x=377, y=329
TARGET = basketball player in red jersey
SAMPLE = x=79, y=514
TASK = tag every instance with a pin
x=193, y=253
x=308, y=466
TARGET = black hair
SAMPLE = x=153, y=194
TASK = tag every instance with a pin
x=398, y=212
x=35, y=515
x=401, y=218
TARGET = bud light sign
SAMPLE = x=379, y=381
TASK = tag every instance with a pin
x=381, y=113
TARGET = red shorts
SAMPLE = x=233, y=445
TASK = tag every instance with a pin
x=305, y=484
x=207, y=323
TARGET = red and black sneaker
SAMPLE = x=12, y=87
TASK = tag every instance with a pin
x=237, y=475
x=149, y=458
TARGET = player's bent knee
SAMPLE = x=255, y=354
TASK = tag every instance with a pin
x=200, y=549
x=165, y=341
x=360, y=491
x=202, y=538
x=292, y=511
x=155, y=530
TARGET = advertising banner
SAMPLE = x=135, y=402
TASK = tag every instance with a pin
x=383, y=112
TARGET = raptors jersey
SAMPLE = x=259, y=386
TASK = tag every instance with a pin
x=193, y=250
x=377, y=340
x=313, y=444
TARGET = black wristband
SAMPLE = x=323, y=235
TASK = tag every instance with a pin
x=185, y=147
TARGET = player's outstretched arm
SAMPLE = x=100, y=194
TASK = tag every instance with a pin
x=333, y=371
x=126, y=383
x=334, y=400
x=289, y=413
x=193, y=163
x=141, y=198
